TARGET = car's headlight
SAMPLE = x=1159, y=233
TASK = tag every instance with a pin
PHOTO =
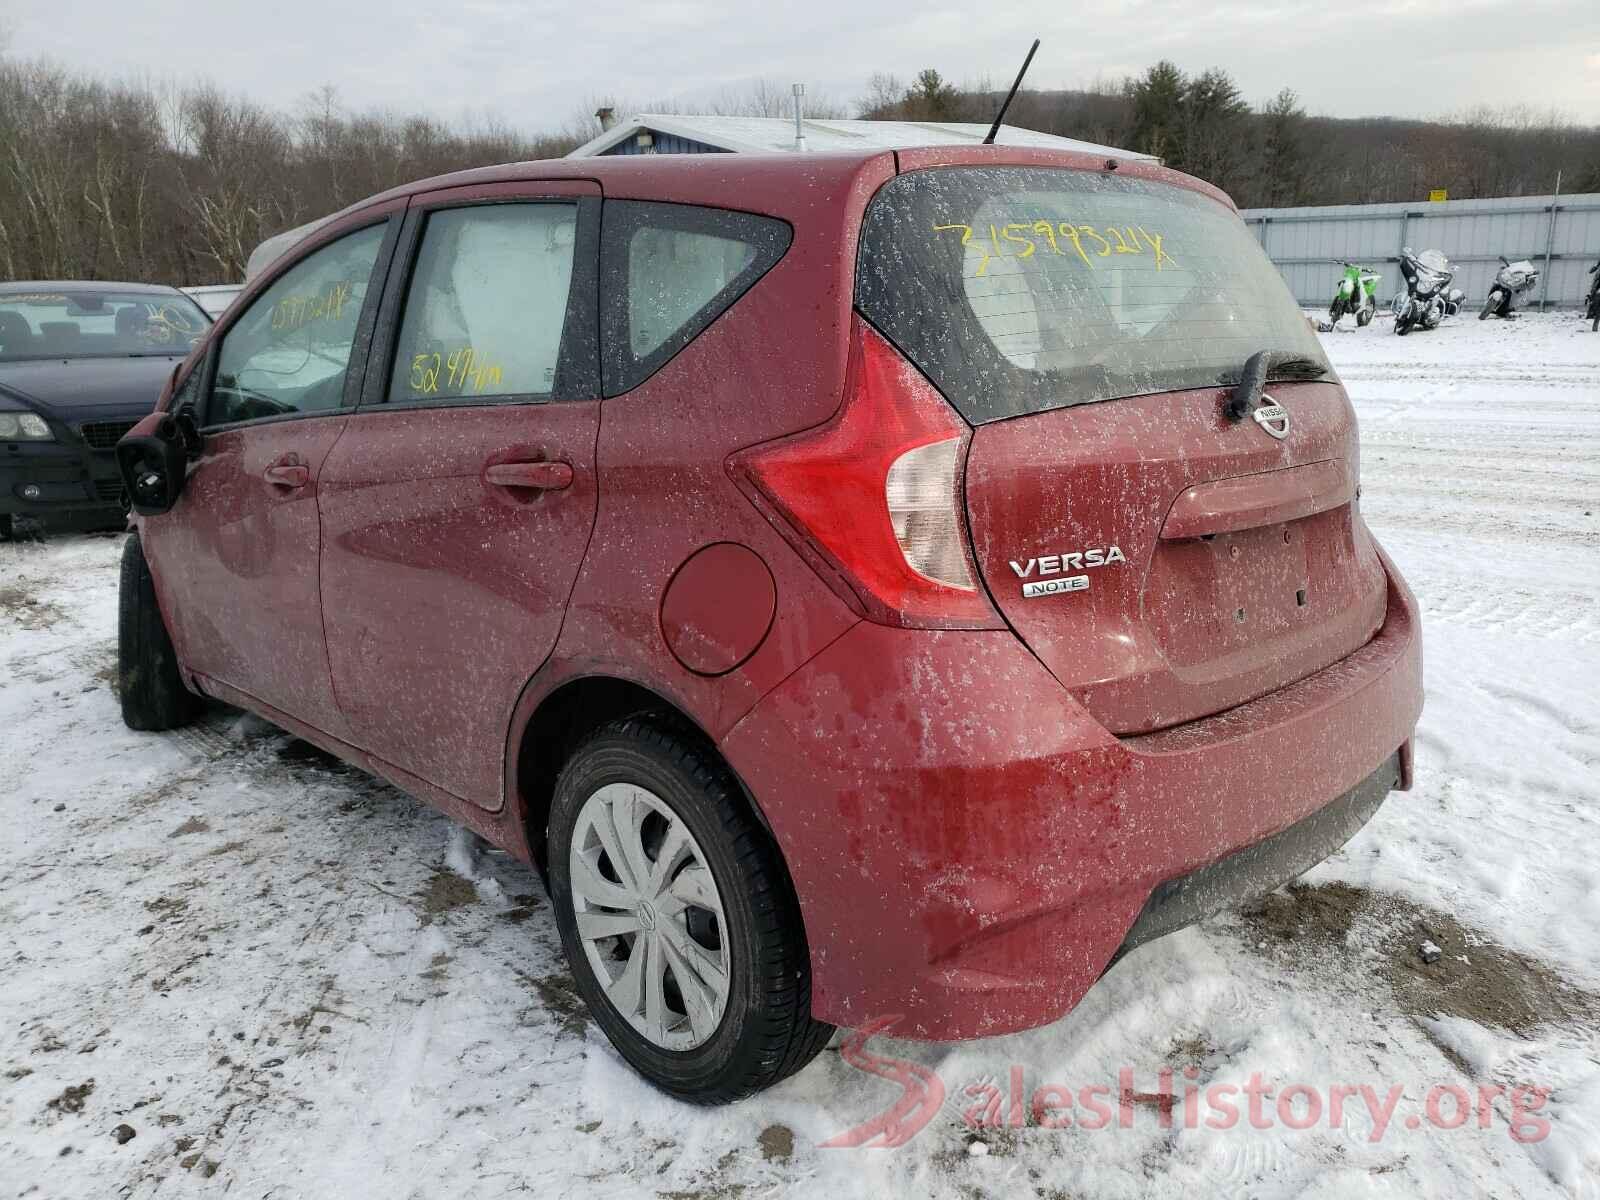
x=23, y=427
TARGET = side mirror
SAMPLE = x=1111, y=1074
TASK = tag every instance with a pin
x=154, y=467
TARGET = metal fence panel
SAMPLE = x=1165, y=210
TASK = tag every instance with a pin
x=1305, y=242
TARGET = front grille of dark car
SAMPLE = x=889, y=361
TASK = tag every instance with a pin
x=103, y=435
x=109, y=490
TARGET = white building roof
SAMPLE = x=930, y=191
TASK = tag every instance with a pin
x=772, y=135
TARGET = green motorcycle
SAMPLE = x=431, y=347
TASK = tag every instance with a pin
x=1357, y=295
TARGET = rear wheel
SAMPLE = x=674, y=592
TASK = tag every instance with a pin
x=152, y=691
x=1364, y=317
x=678, y=917
x=1489, y=305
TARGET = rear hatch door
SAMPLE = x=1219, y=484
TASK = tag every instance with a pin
x=1164, y=562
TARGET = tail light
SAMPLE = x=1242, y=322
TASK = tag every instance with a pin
x=876, y=494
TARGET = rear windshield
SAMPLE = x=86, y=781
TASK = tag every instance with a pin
x=80, y=324
x=1020, y=289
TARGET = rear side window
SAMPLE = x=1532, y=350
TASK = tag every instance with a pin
x=668, y=271
x=488, y=304
x=1017, y=290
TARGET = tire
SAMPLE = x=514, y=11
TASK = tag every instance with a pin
x=1364, y=317
x=1594, y=314
x=8, y=528
x=1336, y=310
x=1402, y=327
x=1489, y=306
x=152, y=691
x=758, y=1029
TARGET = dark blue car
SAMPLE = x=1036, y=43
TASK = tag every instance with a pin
x=80, y=364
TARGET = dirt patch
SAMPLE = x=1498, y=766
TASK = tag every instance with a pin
x=1474, y=977
x=168, y=908
x=100, y=661
x=559, y=994
x=777, y=1143
x=72, y=1099
x=192, y=825
x=444, y=892
x=28, y=611
x=167, y=789
x=438, y=969
x=1191, y=1050
x=716, y=1191
x=527, y=904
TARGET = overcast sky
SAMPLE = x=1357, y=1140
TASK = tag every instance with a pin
x=541, y=63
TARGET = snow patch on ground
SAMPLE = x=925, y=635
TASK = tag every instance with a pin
x=289, y=980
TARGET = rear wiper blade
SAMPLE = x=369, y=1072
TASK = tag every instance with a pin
x=1258, y=368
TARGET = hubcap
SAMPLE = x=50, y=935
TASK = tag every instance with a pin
x=649, y=916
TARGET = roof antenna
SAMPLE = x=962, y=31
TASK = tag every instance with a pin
x=1011, y=95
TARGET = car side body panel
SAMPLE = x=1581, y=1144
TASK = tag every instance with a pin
x=443, y=592
x=238, y=565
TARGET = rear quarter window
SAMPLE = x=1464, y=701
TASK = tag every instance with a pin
x=667, y=272
x=1017, y=290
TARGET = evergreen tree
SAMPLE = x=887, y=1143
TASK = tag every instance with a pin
x=1283, y=177
x=1157, y=110
x=930, y=98
x=1214, y=142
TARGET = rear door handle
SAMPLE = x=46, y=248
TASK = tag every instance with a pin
x=287, y=475
x=535, y=476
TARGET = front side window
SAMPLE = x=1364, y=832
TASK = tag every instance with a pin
x=290, y=351
x=669, y=271
x=97, y=324
x=488, y=304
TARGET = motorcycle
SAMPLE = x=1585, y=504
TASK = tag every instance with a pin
x=1356, y=294
x=1428, y=298
x=1591, y=304
x=1512, y=280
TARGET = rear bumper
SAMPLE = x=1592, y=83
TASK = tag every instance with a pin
x=56, y=481
x=971, y=850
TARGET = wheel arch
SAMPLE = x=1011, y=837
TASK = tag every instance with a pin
x=557, y=722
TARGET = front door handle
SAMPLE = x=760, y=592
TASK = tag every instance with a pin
x=535, y=476
x=287, y=475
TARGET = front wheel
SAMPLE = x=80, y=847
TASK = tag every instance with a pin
x=678, y=917
x=1336, y=310
x=151, y=689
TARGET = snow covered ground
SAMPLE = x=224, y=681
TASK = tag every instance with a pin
x=288, y=980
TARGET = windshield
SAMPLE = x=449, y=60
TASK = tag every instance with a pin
x=1017, y=290
x=78, y=324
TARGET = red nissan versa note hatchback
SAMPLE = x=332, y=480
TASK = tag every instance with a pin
x=866, y=586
